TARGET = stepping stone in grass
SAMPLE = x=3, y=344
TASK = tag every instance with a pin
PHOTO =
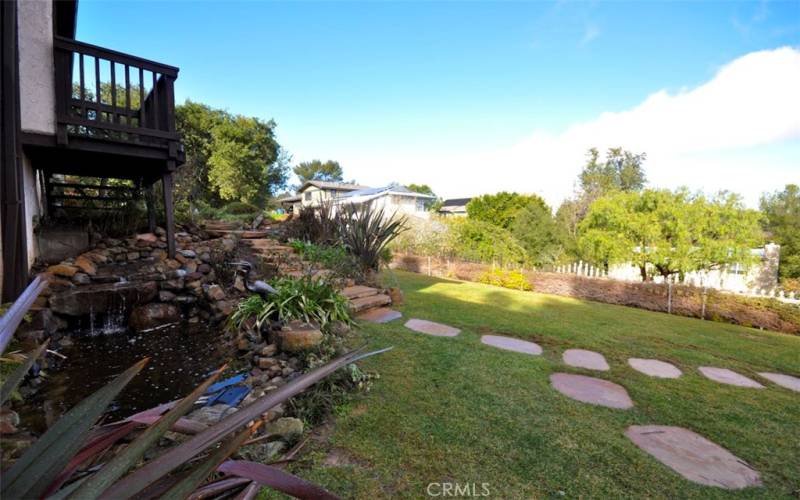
x=693, y=456
x=581, y=358
x=591, y=390
x=379, y=315
x=787, y=381
x=431, y=328
x=655, y=368
x=725, y=376
x=512, y=344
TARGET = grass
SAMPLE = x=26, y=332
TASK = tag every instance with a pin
x=455, y=410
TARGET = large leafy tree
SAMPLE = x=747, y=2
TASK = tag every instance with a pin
x=619, y=170
x=195, y=122
x=421, y=188
x=535, y=229
x=478, y=240
x=500, y=209
x=316, y=170
x=782, y=222
x=667, y=233
x=244, y=161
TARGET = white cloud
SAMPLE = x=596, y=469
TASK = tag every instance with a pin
x=738, y=131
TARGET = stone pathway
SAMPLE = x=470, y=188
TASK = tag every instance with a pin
x=591, y=390
x=787, y=381
x=512, y=344
x=693, y=456
x=379, y=315
x=655, y=368
x=730, y=377
x=431, y=328
x=581, y=358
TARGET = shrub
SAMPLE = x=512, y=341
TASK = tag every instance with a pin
x=336, y=258
x=304, y=299
x=506, y=278
x=366, y=231
x=480, y=241
x=314, y=225
x=240, y=208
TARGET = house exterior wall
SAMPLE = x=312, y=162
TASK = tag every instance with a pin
x=313, y=196
x=36, y=71
x=33, y=208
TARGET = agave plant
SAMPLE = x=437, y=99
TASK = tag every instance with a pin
x=366, y=231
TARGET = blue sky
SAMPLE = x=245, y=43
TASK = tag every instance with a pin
x=437, y=92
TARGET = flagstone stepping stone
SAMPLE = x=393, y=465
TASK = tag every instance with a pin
x=591, y=390
x=655, y=368
x=693, y=456
x=730, y=377
x=379, y=315
x=431, y=328
x=512, y=344
x=581, y=358
x=787, y=381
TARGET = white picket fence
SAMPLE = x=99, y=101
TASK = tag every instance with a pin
x=586, y=270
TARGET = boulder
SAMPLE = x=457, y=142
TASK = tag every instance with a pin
x=154, y=315
x=86, y=265
x=215, y=292
x=166, y=296
x=298, y=337
x=99, y=298
x=287, y=428
x=64, y=270
x=147, y=238
x=131, y=256
x=396, y=295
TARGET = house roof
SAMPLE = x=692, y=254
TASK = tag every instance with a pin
x=332, y=186
x=371, y=193
x=289, y=199
x=456, y=202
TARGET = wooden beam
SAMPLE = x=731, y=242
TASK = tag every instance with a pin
x=169, y=212
x=150, y=201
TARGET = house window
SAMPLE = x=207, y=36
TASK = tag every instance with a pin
x=420, y=205
x=307, y=195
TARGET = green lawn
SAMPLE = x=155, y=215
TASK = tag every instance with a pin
x=453, y=409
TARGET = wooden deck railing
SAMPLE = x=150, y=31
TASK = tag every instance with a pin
x=107, y=95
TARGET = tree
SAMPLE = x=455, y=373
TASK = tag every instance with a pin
x=244, y=163
x=195, y=123
x=421, y=188
x=535, y=229
x=478, y=240
x=316, y=170
x=782, y=222
x=500, y=209
x=666, y=233
x=621, y=170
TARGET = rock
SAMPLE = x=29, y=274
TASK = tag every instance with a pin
x=210, y=415
x=288, y=428
x=9, y=420
x=226, y=307
x=131, y=256
x=239, y=285
x=81, y=279
x=228, y=245
x=298, y=336
x=160, y=231
x=265, y=363
x=86, y=265
x=190, y=266
x=154, y=315
x=340, y=328
x=189, y=254
x=173, y=264
x=147, y=237
x=273, y=413
x=205, y=269
x=158, y=255
x=92, y=298
x=205, y=257
x=166, y=296
x=185, y=299
x=174, y=285
x=269, y=350
x=215, y=292
x=64, y=270
x=244, y=344
x=396, y=295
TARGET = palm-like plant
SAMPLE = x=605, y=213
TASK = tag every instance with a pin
x=366, y=231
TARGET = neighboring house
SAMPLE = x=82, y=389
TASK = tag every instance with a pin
x=760, y=276
x=60, y=117
x=290, y=204
x=315, y=193
x=456, y=206
x=392, y=199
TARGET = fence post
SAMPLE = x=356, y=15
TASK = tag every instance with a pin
x=669, y=296
x=429, y=266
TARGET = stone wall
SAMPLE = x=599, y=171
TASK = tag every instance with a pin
x=131, y=282
x=686, y=300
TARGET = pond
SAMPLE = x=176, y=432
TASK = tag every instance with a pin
x=180, y=358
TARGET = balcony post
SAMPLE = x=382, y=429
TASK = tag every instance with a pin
x=169, y=212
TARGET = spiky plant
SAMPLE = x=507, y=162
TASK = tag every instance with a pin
x=366, y=231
